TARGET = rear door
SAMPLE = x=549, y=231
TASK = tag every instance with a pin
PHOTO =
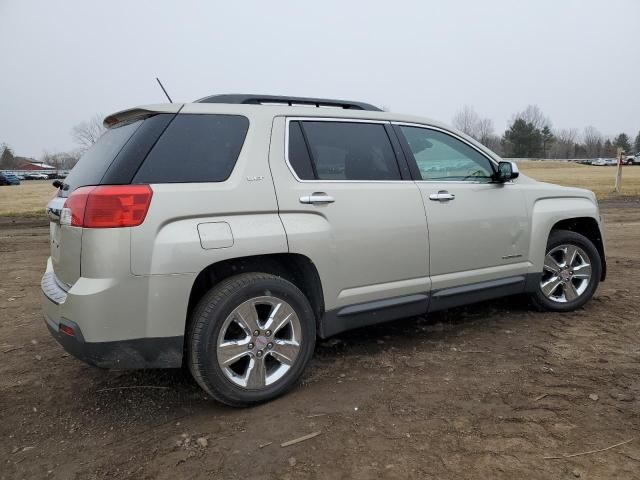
x=347, y=202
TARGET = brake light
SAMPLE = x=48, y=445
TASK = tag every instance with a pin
x=109, y=206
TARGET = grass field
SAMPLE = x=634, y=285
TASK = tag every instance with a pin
x=28, y=198
x=31, y=197
x=599, y=179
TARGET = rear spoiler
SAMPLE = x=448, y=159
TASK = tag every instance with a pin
x=140, y=112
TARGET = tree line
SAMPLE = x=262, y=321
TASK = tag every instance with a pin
x=84, y=134
x=531, y=135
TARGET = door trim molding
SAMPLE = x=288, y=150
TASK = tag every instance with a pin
x=371, y=313
x=364, y=314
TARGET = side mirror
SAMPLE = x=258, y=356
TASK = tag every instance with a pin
x=507, y=171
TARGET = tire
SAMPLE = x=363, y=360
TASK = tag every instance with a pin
x=220, y=331
x=573, y=290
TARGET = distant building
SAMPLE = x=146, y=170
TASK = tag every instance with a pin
x=32, y=164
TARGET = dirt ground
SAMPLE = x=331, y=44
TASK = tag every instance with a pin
x=483, y=392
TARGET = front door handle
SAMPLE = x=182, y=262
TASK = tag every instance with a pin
x=317, y=198
x=442, y=196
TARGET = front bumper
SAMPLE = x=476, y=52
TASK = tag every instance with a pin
x=73, y=318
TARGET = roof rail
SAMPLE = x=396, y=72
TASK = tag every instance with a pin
x=291, y=101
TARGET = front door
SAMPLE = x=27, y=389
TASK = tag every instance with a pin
x=349, y=205
x=478, y=229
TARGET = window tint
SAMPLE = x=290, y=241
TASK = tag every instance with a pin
x=298, y=153
x=195, y=148
x=445, y=158
x=96, y=160
x=350, y=151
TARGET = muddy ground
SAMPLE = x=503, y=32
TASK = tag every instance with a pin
x=483, y=392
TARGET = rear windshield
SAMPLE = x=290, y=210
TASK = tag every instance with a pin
x=96, y=160
x=195, y=148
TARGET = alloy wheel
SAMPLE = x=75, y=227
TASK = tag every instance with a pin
x=566, y=273
x=259, y=342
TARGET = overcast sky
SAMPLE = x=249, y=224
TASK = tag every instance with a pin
x=64, y=61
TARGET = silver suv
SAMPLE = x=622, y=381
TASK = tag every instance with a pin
x=229, y=233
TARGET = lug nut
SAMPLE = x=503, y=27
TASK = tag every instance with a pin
x=268, y=333
x=250, y=346
x=259, y=353
x=256, y=333
x=269, y=345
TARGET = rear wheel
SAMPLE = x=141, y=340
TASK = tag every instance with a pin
x=571, y=272
x=251, y=338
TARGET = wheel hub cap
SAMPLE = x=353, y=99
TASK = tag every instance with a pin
x=261, y=342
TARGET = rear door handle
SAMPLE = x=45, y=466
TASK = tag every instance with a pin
x=442, y=196
x=317, y=198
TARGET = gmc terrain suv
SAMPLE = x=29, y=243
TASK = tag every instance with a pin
x=228, y=234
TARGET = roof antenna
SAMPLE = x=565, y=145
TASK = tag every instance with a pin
x=162, y=87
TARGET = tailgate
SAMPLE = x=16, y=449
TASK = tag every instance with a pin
x=66, y=244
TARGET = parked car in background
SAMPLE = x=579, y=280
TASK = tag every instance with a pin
x=36, y=176
x=605, y=162
x=8, y=178
x=632, y=159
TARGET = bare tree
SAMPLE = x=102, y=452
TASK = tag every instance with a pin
x=564, y=146
x=467, y=120
x=87, y=133
x=485, y=131
x=62, y=160
x=592, y=141
x=533, y=115
x=54, y=159
x=72, y=158
x=481, y=129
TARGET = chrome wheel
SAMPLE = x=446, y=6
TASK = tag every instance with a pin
x=566, y=274
x=259, y=342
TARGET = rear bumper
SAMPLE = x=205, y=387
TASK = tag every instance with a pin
x=106, y=323
x=126, y=354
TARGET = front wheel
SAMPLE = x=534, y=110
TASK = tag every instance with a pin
x=250, y=339
x=571, y=272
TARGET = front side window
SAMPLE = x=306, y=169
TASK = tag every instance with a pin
x=341, y=151
x=441, y=157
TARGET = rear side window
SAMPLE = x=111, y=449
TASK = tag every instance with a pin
x=299, y=154
x=342, y=151
x=195, y=148
x=96, y=160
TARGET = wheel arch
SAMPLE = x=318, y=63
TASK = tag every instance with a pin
x=296, y=268
x=589, y=227
x=578, y=214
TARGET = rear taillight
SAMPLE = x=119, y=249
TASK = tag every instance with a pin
x=109, y=206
